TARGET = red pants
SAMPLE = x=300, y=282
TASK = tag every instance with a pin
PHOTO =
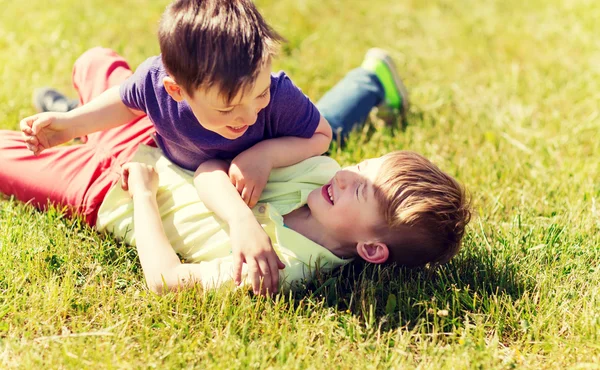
x=76, y=176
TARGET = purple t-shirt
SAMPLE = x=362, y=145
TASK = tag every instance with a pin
x=183, y=139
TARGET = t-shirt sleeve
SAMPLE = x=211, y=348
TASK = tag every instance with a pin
x=134, y=90
x=292, y=112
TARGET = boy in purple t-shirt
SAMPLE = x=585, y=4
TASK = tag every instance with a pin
x=217, y=110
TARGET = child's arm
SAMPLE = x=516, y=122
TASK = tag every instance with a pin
x=250, y=170
x=162, y=268
x=48, y=129
x=249, y=242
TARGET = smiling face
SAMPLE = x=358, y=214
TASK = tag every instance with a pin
x=347, y=206
x=228, y=119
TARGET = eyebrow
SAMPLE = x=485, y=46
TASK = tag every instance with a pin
x=361, y=166
x=365, y=193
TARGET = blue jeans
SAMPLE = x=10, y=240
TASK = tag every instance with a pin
x=348, y=103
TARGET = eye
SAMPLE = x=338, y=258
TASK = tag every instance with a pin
x=357, y=188
x=263, y=95
x=225, y=112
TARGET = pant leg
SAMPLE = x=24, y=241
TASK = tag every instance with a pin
x=94, y=72
x=348, y=104
x=97, y=70
x=76, y=177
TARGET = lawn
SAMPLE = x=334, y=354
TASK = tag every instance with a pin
x=505, y=96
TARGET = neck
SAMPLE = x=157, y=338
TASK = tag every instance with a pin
x=302, y=221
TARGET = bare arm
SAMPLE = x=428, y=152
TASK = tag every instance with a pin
x=102, y=113
x=48, y=129
x=249, y=242
x=218, y=194
x=162, y=268
x=289, y=150
x=250, y=170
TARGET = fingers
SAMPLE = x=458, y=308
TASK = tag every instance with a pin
x=138, y=175
x=237, y=268
x=39, y=122
x=247, y=195
x=31, y=141
x=32, y=144
x=25, y=126
x=280, y=265
x=274, y=274
x=125, y=176
x=254, y=276
x=239, y=185
x=254, y=197
x=265, y=275
x=237, y=181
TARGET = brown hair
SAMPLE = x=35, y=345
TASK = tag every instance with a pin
x=222, y=42
x=425, y=210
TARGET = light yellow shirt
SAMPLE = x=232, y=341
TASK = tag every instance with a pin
x=199, y=236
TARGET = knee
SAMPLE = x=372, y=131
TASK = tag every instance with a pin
x=96, y=62
x=93, y=56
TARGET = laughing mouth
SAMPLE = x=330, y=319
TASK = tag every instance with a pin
x=328, y=193
x=237, y=128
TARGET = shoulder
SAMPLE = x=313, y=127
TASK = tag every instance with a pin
x=148, y=74
x=280, y=76
x=283, y=86
x=152, y=64
x=152, y=69
x=285, y=94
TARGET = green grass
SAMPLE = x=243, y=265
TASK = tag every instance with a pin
x=506, y=97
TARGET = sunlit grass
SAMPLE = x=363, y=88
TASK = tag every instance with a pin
x=505, y=97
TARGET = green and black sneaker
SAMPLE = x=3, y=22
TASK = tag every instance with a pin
x=379, y=62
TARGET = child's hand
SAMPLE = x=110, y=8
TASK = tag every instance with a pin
x=46, y=130
x=250, y=244
x=138, y=178
x=249, y=172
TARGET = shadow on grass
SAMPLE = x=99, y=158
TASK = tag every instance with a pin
x=392, y=297
x=381, y=120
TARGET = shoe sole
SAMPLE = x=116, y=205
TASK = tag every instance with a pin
x=389, y=62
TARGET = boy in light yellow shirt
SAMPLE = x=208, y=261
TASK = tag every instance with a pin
x=399, y=208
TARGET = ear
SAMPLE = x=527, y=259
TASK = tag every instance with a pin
x=374, y=252
x=174, y=90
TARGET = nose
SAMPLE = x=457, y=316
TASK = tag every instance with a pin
x=248, y=117
x=344, y=178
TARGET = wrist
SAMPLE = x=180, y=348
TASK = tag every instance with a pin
x=143, y=193
x=242, y=218
x=70, y=121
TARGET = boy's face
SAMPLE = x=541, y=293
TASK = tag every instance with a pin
x=347, y=206
x=231, y=120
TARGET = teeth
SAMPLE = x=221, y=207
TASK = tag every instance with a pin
x=329, y=191
x=237, y=127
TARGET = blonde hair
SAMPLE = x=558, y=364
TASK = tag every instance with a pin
x=425, y=210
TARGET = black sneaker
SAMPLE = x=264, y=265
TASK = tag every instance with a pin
x=47, y=99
